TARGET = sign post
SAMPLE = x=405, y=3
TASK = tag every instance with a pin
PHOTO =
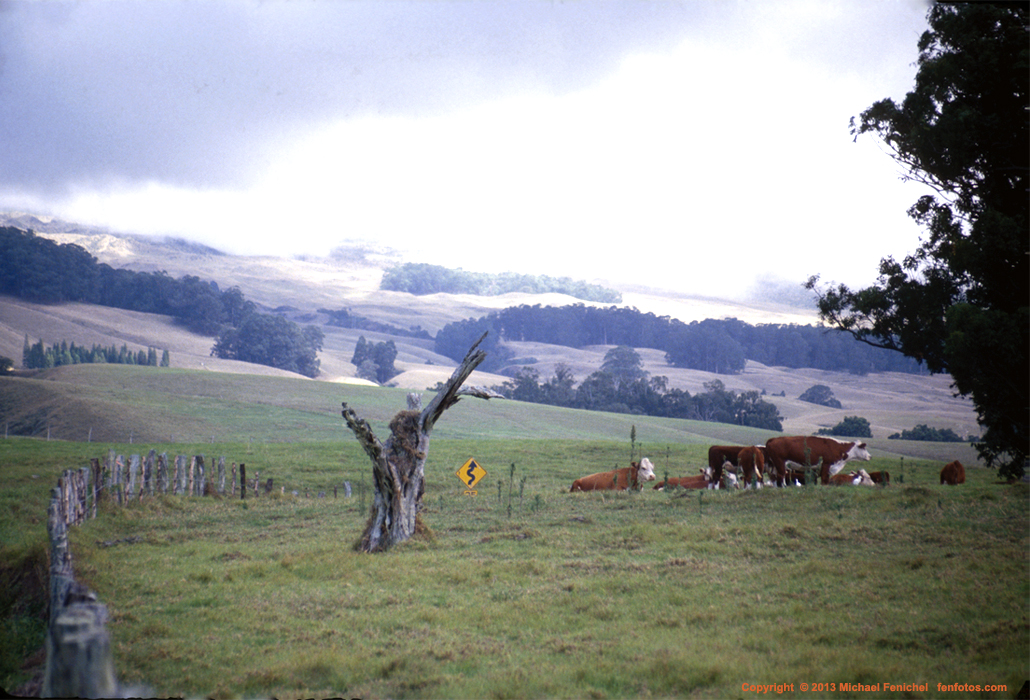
x=470, y=474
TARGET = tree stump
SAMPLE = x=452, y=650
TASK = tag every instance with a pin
x=398, y=465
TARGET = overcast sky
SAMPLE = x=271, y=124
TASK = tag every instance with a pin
x=696, y=145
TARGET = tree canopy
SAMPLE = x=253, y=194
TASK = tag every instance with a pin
x=961, y=302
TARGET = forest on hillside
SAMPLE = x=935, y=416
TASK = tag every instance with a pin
x=38, y=269
x=423, y=278
x=719, y=346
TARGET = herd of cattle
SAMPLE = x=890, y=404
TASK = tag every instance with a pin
x=780, y=461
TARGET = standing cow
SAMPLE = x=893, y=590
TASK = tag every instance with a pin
x=617, y=479
x=752, y=465
x=802, y=450
x=953, y=473
x=719, y=455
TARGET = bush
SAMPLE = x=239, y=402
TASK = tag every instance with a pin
x=851, y=426
x=821, y=395
x=923, y=432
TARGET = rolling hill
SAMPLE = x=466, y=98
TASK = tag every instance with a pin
x=349, y=279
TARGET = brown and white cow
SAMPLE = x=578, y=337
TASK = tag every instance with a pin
x=617, y=479
x=953, y=473
x=882, y=478
x=719, y=455
x=800, y=450
x=751, y=461
x=697, y=481
x=859, y=478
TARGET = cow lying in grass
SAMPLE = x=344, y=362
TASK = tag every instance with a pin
x=703, y=480
x=859, y=478
x=630, y=477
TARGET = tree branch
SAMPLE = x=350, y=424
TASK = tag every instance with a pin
x=449, y=395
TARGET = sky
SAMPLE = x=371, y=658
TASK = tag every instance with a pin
x=700, y=146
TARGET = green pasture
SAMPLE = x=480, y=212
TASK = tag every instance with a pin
x=526, y=590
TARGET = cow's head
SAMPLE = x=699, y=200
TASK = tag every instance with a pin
x=646, y=470
x=862, y=478
x=858, y=451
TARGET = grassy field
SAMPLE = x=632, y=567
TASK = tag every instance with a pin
x=526, y=590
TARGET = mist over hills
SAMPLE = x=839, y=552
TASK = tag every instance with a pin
x=349, y=278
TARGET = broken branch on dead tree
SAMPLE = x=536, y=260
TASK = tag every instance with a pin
x=398, y=465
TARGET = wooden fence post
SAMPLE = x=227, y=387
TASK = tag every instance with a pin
x=201, y=477
x=243, y=481
x=221, y=475
x=180, y=474
x=161, y=477
x=84, y=503
x=109, y=476
x=94, y=465
x=60, y=555
x=118, y=484
x=148, y=471
x=257, y=478
x=130, y=493
x=232, y=482
x=79, y=663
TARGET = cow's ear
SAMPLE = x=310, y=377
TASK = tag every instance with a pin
x=861, y=445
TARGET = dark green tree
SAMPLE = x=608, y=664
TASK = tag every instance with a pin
x=961, y=303
x=821, y=395
x=851, y=426
x=624, y=364
x=267, y=339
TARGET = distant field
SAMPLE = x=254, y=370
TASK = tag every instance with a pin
x=117, y=403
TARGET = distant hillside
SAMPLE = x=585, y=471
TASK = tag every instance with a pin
x=349, y=279
x=891, y=402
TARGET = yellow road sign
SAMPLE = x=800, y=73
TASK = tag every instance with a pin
x=470, y=473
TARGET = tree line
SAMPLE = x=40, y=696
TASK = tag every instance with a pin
x=40, y=270
x=39, y=356
x=423, y=278
x=719, y=346
x=623, y=386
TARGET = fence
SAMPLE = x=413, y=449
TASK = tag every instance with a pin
x=78, y=647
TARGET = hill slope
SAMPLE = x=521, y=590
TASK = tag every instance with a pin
x=349, y=279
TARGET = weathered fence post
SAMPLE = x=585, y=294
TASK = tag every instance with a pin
x=60, y=555
x=94, y=465
x=84, y=502
x=148, y=471
x=78, y=649
x=161, y=477
x=243, y=481
x=79, y=663
x=232, y=481
x=118, y=468
x=130, y=493
x=180, y=474
x=201, y=477
x=221, y=475
x=257, y=478
x=192, y=473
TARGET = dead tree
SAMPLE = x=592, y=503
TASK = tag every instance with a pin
x=398, y=465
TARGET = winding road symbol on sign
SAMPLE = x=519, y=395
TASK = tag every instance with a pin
x=470, y=473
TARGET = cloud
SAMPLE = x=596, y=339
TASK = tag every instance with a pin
x=696, y=144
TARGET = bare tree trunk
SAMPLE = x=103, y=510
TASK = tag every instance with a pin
x=398, y=465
